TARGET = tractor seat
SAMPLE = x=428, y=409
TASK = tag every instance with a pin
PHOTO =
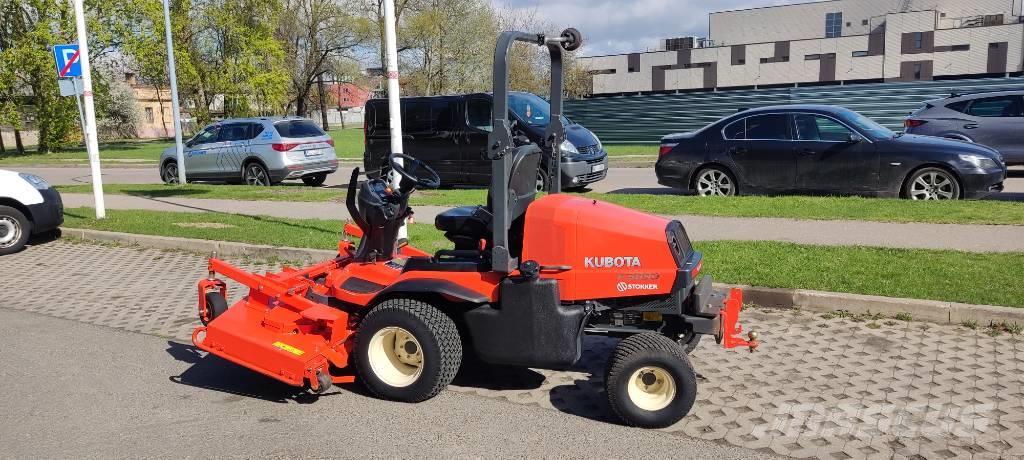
x=465, y=225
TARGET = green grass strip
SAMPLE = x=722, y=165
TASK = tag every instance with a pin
x=979, y=212
x=978, y=278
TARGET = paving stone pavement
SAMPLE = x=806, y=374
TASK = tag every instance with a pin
x=826, y=388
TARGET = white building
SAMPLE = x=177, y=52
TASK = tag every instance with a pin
x=826, y=42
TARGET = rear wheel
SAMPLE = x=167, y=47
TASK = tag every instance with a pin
x=407, y=350
x=256, y=174
x=932, y=184
x=650, y=382
x=315, y=180
x=15, y=230
x=714, y=181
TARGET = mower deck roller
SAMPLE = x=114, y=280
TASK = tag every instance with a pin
x=528, y=277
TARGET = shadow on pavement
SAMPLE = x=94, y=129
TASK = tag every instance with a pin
x=1006, y=196
x=213, y=373
x=476, y=374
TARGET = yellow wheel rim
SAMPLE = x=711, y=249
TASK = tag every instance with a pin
x=396, y=357
x=651, y=388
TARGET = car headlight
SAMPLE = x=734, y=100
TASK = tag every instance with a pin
x=979, y=161
x=567, y=147
x=600, y=146
x=38, y=182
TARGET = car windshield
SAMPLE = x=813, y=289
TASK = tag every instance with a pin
x=867, y=125
x=531, y=109
x=298, y=128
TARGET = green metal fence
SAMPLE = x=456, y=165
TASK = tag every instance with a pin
x=639, y=119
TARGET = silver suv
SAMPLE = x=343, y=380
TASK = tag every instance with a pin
x=993, y=119
x=255, y=151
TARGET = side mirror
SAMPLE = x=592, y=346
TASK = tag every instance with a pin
x=854, y=138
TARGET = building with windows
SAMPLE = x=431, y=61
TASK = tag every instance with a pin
x=827, y=42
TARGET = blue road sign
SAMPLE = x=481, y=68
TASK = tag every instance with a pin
x=68, y=62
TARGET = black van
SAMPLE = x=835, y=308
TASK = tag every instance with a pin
x=449, y=133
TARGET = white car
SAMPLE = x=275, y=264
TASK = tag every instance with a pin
x=28, y=206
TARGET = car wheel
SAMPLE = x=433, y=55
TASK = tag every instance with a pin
x=256, y=174
x=714, y=181
x=15, y=230
x=315, y=180
x=932, y=184
x=542, y=181
x=169, y=173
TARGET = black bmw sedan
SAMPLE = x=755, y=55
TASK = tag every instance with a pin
x=817, y=149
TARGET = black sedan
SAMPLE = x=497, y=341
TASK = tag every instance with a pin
x=818, y=149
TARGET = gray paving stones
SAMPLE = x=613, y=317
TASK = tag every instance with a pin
x=817, y=388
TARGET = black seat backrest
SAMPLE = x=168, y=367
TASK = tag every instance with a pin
x=522, y=182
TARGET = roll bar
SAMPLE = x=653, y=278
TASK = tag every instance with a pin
x=500, y=144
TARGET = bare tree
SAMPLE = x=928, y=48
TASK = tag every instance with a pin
x=317, y=35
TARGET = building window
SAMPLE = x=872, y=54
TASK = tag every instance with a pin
x=864, y=22
x=917, y=71
x=833, y=25
x=812, y=57
x=918, y=40
x=149, y=115
x=960, y=48
x=860, y=53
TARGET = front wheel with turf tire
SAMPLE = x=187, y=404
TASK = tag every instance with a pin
x=15, y=230
x=650, y=382
x=315, y=180
x=407, y=350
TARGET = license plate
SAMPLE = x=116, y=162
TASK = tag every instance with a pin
x=312, y=153
x=598, y=168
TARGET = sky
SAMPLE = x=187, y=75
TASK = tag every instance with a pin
x=622, y=26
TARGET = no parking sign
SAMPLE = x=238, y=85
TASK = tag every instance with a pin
x=68, y=63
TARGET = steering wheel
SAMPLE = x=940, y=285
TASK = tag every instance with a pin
x=415, y=171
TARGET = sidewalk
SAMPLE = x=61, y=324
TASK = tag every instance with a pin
x=975, y=238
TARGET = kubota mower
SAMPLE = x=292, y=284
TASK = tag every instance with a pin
x=527, y=278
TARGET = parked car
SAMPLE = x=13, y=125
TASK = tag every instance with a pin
x=28, y=206
x=255, y=151
x=824, y=150
x=994, y=119
x=449, y=134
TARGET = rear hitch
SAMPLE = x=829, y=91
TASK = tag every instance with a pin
x=729, y=336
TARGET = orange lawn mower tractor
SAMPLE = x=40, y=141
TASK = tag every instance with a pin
x=527, y=279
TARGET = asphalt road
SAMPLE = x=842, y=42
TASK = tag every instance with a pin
x=619, y=180
x=74, y=390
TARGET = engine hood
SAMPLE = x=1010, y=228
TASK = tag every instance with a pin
x=916, y=143
x=579, y=136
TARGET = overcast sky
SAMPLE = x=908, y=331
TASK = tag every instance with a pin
x=621, y=26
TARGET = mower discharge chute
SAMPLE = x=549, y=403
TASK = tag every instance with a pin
x=527, y=278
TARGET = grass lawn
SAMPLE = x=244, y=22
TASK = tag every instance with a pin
x=283, y=192
x=981, y=278
x=650, y=150
x=348, y=143
x=795, y=207
x=146, y=151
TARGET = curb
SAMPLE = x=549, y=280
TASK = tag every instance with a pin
x=817, y=301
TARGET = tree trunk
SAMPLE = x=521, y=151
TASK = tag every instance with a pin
x=17, y=142
x=3, y=148
x=323, y=102
x=163, y=115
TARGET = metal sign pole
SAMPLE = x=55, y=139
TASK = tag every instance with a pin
x=394, y=104
x=91, y=141
x=172, y=73
x=78, y=101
